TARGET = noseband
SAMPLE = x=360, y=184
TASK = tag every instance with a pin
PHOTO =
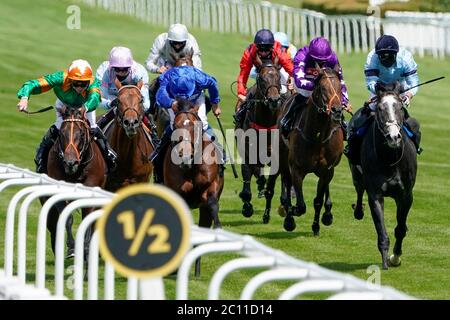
x=86, y=144
x=121, y=114
x=326, y=108
x=259, y=85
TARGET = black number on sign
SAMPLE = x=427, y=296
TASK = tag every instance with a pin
x=161, y=232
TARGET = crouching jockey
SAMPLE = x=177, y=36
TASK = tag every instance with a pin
x=317, y=53
x=186, y=82
x=267, y=48
x=75, y=87
x=122, y=67
x=385, y=65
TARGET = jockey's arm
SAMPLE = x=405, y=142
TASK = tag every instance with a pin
x=246, y=65
x=299, y=73
x=155, y=53
x=344, y=92
x=102, y=75
x=286, y=63
x=93, y=96
x=196, y=57
x=162, y=96
x=410, y=74
x=38, y=86
x=143, y=76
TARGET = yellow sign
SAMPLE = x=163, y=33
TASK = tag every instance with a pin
x=144, y=231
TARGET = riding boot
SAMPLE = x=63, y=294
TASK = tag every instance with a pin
x=239, y=116
x=414, y=126
x=106, y=118
x=108, y=153
x=157, y=157
x=289, y=116
x=356, y=130
x=344, y=127
x=219, y=149
x=42, y=152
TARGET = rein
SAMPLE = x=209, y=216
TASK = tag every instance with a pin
x=86, y=145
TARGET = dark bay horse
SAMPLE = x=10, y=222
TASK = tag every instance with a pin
x=316, y=146
x=255, y=137
x=388, y=169
x=127, y=136
x=195, y=175
x=76, y=158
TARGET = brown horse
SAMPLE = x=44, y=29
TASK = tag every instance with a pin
x=162, y=117
x=76, y=158
x=196, y=178
x=127, y=136
x=316, y=145
x=256, y=135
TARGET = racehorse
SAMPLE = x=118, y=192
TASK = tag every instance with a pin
x=388, y=169
x=128, y=137
x=316, y=145
x=76, y=158
x=162, y=117
x=196, y=178
x=261, y=118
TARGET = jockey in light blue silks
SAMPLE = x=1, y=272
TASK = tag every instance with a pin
x=385, y=64
x=121, y=66
x=185, y=82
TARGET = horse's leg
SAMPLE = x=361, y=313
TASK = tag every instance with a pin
x=285, y=197
x=70, y=242
x=246, y=193
x=297, y=182
x=327, y=217
x=318, y=201
x=260, y=181
x=403, y=206
x=269, y=195
x=52, y=221
x=358, y=208
x=376, y=203
x=88, y=235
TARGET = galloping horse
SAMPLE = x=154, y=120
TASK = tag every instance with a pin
x=76, y=158
x=316, y=145
x=162, y=117
x=128, y=137
x=196, y=179
x=388, y=169
x=262, y=115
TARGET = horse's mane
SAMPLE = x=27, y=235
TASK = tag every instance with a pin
x=184, y=105
x=385, y=89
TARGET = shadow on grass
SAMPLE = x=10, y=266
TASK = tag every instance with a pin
x=346, y=267
x=282, y=235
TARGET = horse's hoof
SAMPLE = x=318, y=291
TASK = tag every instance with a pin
x=245, y=196
x=385, y=265
x=289, y=224
x=70, y=253
x=266, y=217
x=394, y=261
x=358, y=212
x=247, y=210
x=315, y=229
x=282, y=211
x=327, y=219
x=299, y=211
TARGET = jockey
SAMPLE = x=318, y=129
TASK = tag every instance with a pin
x=291, y=50
x=174, y=42
x=75, y=88
x=121, y=66
x=385, y=64
x=184, y=82
x=265, y=46
x=317, y=52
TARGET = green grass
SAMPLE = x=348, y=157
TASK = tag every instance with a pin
x=35, y=41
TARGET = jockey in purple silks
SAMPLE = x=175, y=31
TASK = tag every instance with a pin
x=318, y=52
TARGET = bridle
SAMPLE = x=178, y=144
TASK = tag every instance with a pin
x=325, y=108
x=260, y=88
x=197, y=136
x=121, y=114
x=86, y=142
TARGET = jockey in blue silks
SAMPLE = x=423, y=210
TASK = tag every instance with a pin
x=385, y=64
x=185, y=82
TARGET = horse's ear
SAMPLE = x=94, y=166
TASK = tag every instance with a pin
x=140, y=84
x=191, y=53
x=117, y=83
x=337, y=68
x=317, y=67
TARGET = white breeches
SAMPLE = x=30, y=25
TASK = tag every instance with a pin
x=90, y=116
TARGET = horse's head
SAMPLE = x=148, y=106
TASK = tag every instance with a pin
x=183, y=59
x=188, y=133
x=389, y=114
x=130, y=110
x=74, y=139
x=268, y=82
x=326, y=96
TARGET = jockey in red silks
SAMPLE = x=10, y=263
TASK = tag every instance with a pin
x=318, y=52
x=265, y=46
